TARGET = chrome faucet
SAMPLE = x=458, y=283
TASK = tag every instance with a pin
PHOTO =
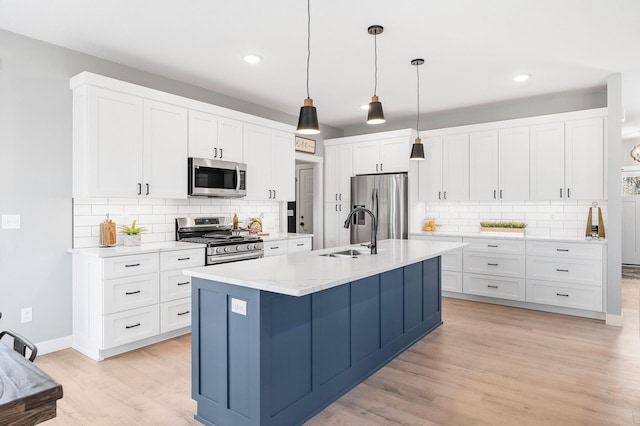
x=374, y=226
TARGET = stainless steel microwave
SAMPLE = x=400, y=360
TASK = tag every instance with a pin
x=215, y=178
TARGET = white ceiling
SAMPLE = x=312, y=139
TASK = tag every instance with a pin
x=472, y=48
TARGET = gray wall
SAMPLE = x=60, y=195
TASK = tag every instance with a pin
x=35, y=173
x=528, y=107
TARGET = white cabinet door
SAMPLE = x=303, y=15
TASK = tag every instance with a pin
x=203, y=135
x=335, y=234
x=483, y=165
x=338, y=165
x=455, y=167
x=113, y=163
x=165, y=150
x=584, y=159
x=430, y=170
x=366, y=157
x=394, y=155
x=283, y=165
x=230, y=140
x=513, y=163
x=257, y=154
x=547, y=162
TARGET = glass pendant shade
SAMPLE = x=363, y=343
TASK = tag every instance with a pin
x=417, y=150
x=308, y=119
x=376, y=115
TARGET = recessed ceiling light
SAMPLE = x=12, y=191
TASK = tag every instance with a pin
x=364, y=106
x=521, y=78
x=252, y=59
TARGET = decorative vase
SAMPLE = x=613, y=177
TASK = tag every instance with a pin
x=132, y=240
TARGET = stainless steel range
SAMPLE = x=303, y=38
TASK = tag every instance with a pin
x=224, y=244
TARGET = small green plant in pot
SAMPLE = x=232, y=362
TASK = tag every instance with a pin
x=488, y=226
x=131, y=233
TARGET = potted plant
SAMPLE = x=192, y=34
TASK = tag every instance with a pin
x=487, y=226
x=131, y=234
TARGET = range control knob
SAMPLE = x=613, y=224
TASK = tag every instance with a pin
x=219, y=250
x=238, y=248
x=249, y=246
x=227, y=249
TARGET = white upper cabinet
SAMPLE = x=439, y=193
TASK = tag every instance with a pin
x=483, y=165
x=213, y=137
x=338, y=164
x=584, y=159
x=444, y=175
x=164, y=151
x=127, y=146
x=381, y=156
x=513, y=160
x=499, y=164
x=567, y=160
x=335, y=234
x=270, y=158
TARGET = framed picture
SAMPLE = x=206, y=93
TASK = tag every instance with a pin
x=305, y=145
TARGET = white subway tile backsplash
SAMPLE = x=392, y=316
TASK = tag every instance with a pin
x=163, y=227
x=150, y=201
x=104, y=209
x=124, y=201
x=138, y=210
x=188, y=210
x=82, y=210
x=81, y=231
x=162, y=209
x=197, y=201
x=210, y=209
x=149, y=219
x=176, y=202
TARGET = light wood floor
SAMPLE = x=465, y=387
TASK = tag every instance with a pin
x=487, y=365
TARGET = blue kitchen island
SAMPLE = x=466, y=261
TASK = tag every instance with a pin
x=276, y=340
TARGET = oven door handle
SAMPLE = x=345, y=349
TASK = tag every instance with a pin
x=237, y=179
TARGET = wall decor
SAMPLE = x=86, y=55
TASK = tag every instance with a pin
x=305, y=145
x=635, y=153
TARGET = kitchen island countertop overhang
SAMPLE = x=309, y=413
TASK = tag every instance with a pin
x=310, y=272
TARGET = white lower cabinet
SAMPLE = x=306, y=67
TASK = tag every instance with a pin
x=450, y=264
x=494, y=286
x=127, y=301
x=287, y=246
x=565, y=274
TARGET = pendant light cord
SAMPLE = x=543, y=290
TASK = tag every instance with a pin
x=375, y=75
x=418, y=79
x=308, y=42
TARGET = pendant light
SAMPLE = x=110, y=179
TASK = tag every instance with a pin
x=308, y=119
x=375, y=116
x=417, y=151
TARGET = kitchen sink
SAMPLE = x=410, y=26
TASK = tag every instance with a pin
x=353, y=253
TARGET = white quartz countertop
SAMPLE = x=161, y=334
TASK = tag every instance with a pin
x=284, y=236
x=308, y=272
x=143, y=248
x=509, y=236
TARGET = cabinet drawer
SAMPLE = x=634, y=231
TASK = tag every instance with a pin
x=451, y=281
x=123, y=266
x=565, y=270
x=567, y=295
x=130, y=292
x=506, y=264
x=180, y=259
x=129, y=326
x=452, y=261
x=174, y=285
x=299, y=244
x=489, y=245
x=492, y=286
x=564, y=250
x=274, y=248
x=175, y=314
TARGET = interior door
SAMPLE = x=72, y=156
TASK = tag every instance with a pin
x=305, y=201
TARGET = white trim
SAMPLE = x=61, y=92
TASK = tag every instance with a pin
x=615, y=320
x=370, y=136
x=54, y=345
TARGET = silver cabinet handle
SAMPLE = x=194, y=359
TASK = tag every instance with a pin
x=562, y=294
x=274, y=194
x=221, y=153
x=215, y=152
x=445, y=195
x=336, y=197
x=501, y=194
x=275, y=247
x=560, y=192
x=336, y=207
x=562, y=249
x=147, y=188
x=562, y=270
x=139, y=188
x=492, y=286
x=439, y=195
x=492, y=264
x=300, y=244
x=340, y=207
x=340, y=197
x=269, y=194
x=492, y=245
x=376, y=167
x=494, y=194
x=380, y=166
x=568, y=192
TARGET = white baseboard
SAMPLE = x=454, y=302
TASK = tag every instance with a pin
x=54, y=345
x=615, y=320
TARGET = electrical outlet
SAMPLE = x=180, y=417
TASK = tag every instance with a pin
x=26, y=314
x=239, y=306
x=10, y=221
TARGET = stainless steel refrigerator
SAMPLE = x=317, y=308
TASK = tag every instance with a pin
x=386, y=196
